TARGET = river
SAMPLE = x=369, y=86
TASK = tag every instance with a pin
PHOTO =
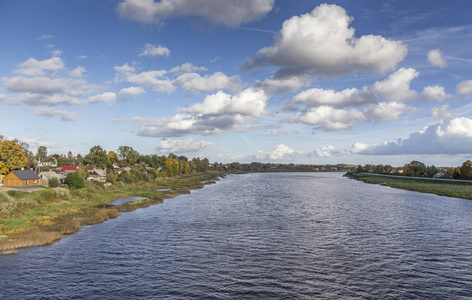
x=262, y=236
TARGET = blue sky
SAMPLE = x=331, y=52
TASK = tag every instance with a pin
x=264, y=80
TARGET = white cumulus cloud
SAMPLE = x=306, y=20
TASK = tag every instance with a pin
x=446, y=137
x=323, y=43
x=329, y=118
x=348, y=97
x=50, y=112
x=151, y=50
x=396, y=87
x=435, y=58
x=465, y=88
x=182, y=146
x=133, y=91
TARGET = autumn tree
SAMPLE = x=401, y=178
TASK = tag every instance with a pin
x=112, y=157
x=11, y=156
x=172, y=167
x=466, y=170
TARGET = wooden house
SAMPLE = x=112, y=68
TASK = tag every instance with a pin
x=21, y=178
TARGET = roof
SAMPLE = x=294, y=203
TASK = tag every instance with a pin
x=69, y=168
x=25, y=174
x=50, y=175
x=99, y=172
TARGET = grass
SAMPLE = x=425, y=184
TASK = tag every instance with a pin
x=442, y=188
x=51, y=217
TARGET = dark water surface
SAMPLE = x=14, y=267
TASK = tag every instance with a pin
x=262, y=236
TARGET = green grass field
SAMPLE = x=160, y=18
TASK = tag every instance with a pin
x=443, y=188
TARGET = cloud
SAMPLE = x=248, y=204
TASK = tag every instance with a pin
x=247, y=103
x=329, y=118
x=50, y=112
x=151, y=50
x=446, y=137
x=81, y=57
x=325, y=151
x=435, y=58
x=465, y=88
x=196, y=83
x=278, y=86
x=108, y=97
x=161, y=81
x=186, y=68
x=442, y=112
x=280, y=152
x=40, y=85
x=45, y=37
x=230, y=13
x=133, y=91
x=434, y=93
x=218, y=113
x=348, y=97
x=77, y=72
x=182, y=146
x=396, y=86
x=33, y=67
x=322, y=43
x=388, y=111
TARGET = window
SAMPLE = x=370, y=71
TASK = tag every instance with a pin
x=34, y=181
x=26, y=182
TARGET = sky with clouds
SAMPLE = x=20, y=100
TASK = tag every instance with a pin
x=241, y=80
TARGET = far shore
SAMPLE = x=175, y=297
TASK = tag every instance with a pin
x=450, y=188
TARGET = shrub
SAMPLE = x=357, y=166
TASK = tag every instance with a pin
x=7, y=204
x=54, y=182
x=74, y=180
x=61, y=193
x=17, y=194
x=26, y=203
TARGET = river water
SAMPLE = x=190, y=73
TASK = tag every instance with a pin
x=262, y=236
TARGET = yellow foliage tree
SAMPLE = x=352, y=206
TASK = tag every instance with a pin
x=11, y=157
x=172, y=167
x=185, y=167
x=113, y=157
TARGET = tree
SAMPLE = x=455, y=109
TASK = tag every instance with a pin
x=113, y=157
x=69, y=155
x=417, y=168
x=466, y=170
x=97, y=156
x=185, y=167
x=11, y=156
x=172, y=167
x=42, y=153
x=127, y=155
x=74, y=180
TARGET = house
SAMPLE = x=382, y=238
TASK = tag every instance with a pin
x=21, y=178
x=96, y=174
x=44, y=177
x=67, y=169
x=51, y=163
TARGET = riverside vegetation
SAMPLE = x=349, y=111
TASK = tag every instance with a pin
x=42, y=217
x=442, y=188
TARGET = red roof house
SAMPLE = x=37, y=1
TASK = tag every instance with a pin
x=66, y=169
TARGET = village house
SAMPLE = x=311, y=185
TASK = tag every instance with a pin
x=67, y=169
x=21, y=178
x=45, y=177
x=96, y=174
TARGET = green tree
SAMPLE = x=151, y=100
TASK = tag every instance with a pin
x=97, y=156
x=53, y=182
x=74, y=180
x=42, y=153
x=127, y=155
x=112, y=157
x=417, y=168
x=11, y=156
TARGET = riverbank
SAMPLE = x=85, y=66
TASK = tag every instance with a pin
x=51, y=218
x=442, y=188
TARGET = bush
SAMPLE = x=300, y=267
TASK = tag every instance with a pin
x=74, y=180
x=17, y=194
x=61, y=193
x=7, y=204
x=26, y=203
x=54, y=182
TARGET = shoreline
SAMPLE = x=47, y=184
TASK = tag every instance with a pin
x=89, y=213
x=448, y=188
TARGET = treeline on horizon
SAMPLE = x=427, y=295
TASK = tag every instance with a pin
x=419, y=169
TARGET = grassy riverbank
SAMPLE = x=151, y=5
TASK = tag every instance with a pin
x=443, y=188
x=42, y=217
